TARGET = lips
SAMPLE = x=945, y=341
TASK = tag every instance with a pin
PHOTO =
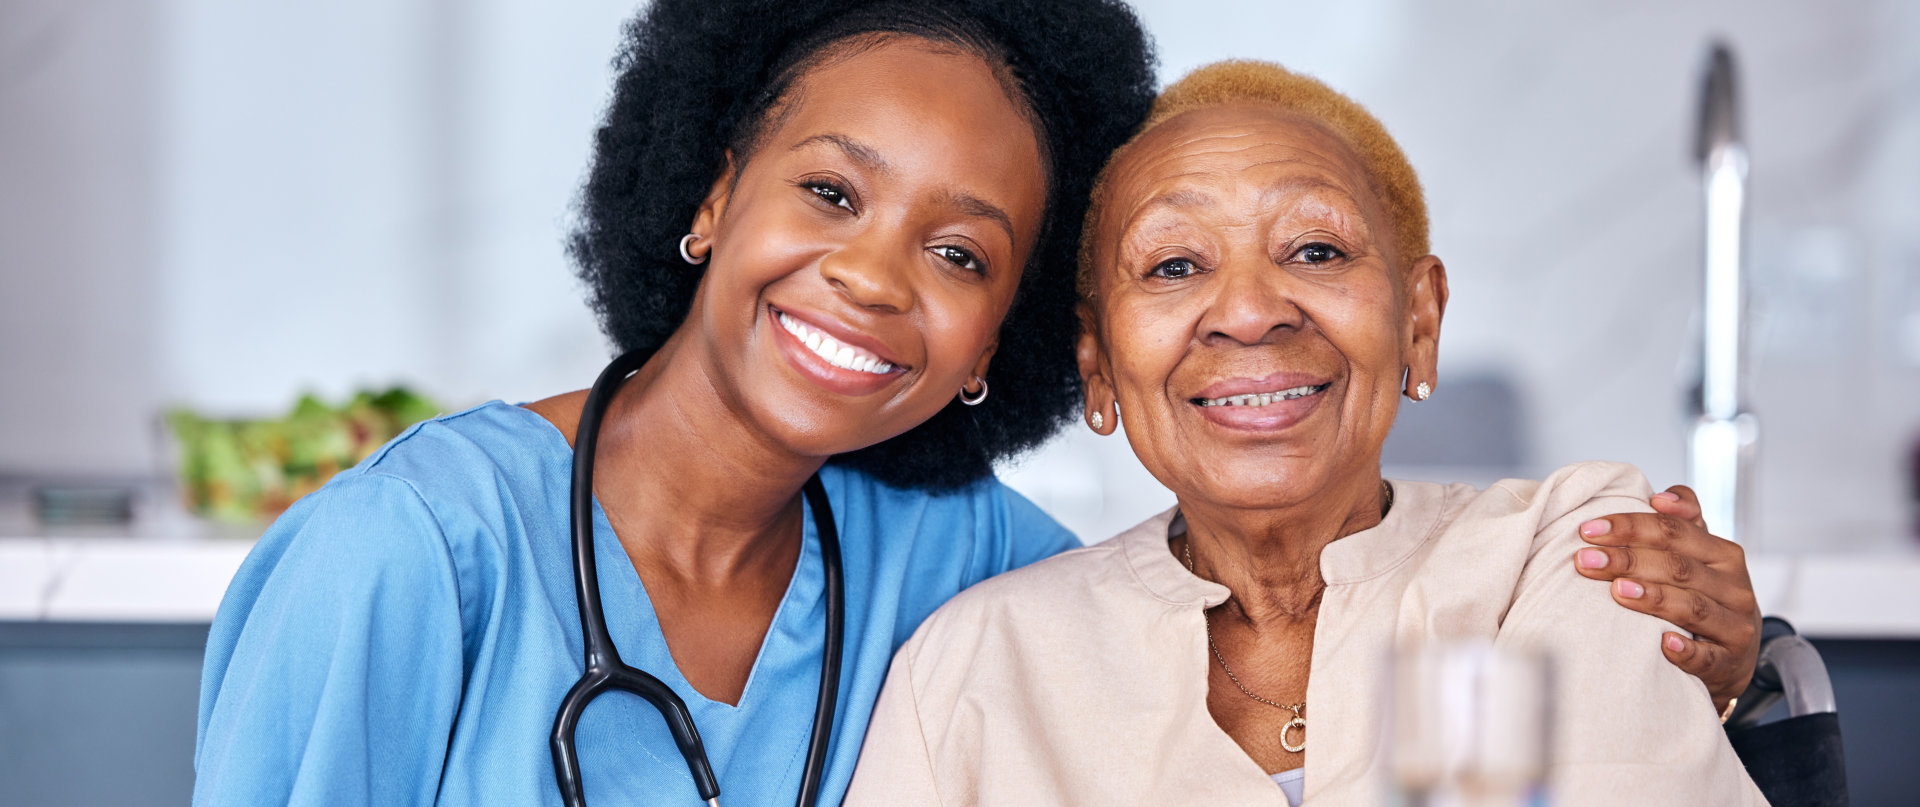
x=1269, y=403
x=835, y=352
x=1264, y=398
x=1276, y=384
x=831, y=355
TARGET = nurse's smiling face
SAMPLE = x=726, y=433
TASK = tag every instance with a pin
x=1249, y=314
x=865, y=254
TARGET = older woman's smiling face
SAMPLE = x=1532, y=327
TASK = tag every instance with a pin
x=1249, y=315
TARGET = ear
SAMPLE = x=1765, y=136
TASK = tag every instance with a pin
x=1094, y=375
x=986, y=358
x=1426, y=305
x=706, y=220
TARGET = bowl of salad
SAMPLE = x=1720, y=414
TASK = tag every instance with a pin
x=249, y=470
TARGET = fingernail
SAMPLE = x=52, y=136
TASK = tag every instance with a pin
x=1598, y=526
x=1667, y=496
x=1629, y=589
x=1674, y=643
x=1591, y=558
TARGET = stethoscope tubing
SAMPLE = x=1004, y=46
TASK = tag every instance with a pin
x=836, y=597
x=604, y=669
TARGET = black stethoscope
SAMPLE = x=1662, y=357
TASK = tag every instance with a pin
x=606, y=672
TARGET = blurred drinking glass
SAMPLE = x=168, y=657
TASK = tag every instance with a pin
x=1470, y=725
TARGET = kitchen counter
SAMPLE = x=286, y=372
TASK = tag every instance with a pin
x=176, y=572
x=171, y=567
x=166, y=566
x=116, y=579
x=1842, y=596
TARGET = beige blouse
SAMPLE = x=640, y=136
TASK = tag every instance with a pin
x=1082, y=679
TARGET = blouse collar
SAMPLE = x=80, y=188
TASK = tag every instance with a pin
x=1415, y=517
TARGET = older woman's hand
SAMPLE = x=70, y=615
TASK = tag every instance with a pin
x=1666, y=564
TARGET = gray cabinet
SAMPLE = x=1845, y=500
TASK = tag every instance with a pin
x=98, y=714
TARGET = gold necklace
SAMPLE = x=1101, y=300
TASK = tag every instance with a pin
x=1299, y=720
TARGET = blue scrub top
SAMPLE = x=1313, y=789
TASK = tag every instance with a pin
x=404, y=635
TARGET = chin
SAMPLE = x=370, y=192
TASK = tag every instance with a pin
x=1258, y=483
x=815, y=435
x=1275, y=498
x=814, y=431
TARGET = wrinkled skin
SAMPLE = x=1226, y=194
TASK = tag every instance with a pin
x=1243, y=249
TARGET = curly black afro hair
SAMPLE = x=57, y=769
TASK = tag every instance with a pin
x=698, y=78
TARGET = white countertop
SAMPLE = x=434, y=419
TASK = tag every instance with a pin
x=165, y=567
x=110, y=579
x=144, y=579
x=171, y=568
x=1841, y=596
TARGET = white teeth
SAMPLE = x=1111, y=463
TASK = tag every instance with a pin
x=836, y=354
x=1264, y=398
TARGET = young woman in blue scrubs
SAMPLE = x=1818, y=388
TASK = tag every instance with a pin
x=827, y=222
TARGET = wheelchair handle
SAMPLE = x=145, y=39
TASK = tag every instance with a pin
x=1789, y=668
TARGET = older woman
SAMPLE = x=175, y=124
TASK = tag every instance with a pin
x=1259, y=293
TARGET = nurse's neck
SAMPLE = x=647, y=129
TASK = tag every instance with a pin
x=707, y=508
x=689, y=487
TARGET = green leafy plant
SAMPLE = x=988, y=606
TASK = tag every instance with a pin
x=250, y=470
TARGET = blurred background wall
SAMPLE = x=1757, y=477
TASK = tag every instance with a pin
x=224, y=204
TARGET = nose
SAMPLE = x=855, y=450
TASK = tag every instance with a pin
x=871, y=273
x=1252, y=302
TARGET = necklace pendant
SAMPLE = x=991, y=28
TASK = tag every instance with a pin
x=1296, y=723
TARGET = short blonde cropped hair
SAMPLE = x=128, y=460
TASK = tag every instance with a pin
x=1240, y=81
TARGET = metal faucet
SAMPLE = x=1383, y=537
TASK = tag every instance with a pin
x=1720, y=449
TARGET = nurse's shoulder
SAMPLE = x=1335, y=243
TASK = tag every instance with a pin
x=1046, y=605
x=988, y=524
x=335, y=663
x=907, y=551
x=470, y=457
x=417, y=526
x=420, y=508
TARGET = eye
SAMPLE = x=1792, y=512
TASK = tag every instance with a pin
x=1318, y=253
x=1174, y=269
x=830, y=193
x=961, y=258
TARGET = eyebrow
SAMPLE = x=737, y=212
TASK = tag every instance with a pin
x=1189, y=198
x=867, y=156
x=1182, y=199
x=980, y=208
